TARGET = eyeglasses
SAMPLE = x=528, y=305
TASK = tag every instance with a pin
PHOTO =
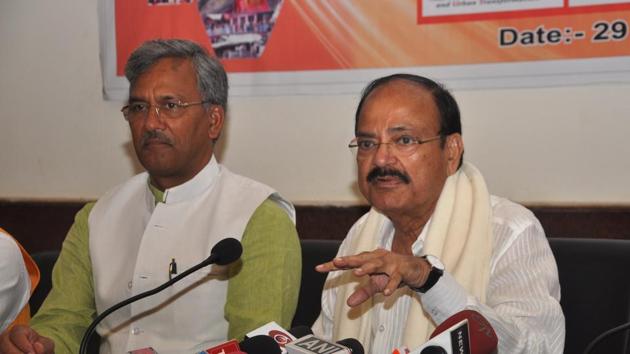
x=404, y=145
x=169, y=110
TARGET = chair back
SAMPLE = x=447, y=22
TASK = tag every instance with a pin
x=314, y=252
x=45, y=262
x=595, y=285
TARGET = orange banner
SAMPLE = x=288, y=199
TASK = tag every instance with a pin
x=302, y=36
x=325, y=35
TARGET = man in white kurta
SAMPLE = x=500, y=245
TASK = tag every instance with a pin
x=167, y=219
x=213, y=205
x=435, y=241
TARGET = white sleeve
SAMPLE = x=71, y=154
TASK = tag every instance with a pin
x=523, y=293
x=15, y=283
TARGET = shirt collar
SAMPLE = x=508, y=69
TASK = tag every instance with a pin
x=191, y=188
x=416, y=248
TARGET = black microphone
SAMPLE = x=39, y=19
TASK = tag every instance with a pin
x=310, y=344
x=224, y=252
x=353, y=344
x=466, y=332
x=260, y=344
x=605, y=335
x=300, y=331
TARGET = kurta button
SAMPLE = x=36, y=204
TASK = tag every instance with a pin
x=130, y=285
x=381, y=328
x=135, y=331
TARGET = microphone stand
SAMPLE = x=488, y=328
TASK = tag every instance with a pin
x=604, y=335
x=90, y=330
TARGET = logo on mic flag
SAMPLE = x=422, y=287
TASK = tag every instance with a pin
x=311, y=344
x=276, y=332
x=224, y=348
x=282, y=338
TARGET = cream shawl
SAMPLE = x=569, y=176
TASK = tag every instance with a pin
x=460, y=234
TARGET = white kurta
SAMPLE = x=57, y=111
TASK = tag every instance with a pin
x=15, y=283
x=522, y=297
x=133, y=241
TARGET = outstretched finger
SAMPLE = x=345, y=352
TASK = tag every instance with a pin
x=358, y=260
x=345, y=262
x=373, y=266
x=336, y=264
x=351, y=262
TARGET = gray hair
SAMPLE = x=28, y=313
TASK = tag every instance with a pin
x=211, y=77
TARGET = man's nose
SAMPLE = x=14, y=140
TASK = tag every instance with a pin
x=153, y=119
x=384, y=154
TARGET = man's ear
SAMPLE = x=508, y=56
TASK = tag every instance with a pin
x=454, y=150
x=216, y=117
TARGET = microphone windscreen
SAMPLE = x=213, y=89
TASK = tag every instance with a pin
x=260, y=344
x=352, y=344
x=483, y=338
x=433, y=349
x=226, y=251
x=300, y=331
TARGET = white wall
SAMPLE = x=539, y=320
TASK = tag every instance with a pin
x=60, y=140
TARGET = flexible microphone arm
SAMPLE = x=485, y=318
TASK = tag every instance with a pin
x=604, y=335
x=224, y=252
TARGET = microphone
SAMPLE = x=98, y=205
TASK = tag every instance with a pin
x=353, y=344
x=224, y=252
x=260, y=344
x=601, y=337
x=229, y=347
x=283, y=338
x=275, y=332
x=311, y=344
x=466, y=332
x=300, y=331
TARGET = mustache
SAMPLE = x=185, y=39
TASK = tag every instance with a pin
x=384, y=172
x=155, y=135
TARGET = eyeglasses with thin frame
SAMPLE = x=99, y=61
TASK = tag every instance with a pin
x=404, y=144
x=169, y=110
